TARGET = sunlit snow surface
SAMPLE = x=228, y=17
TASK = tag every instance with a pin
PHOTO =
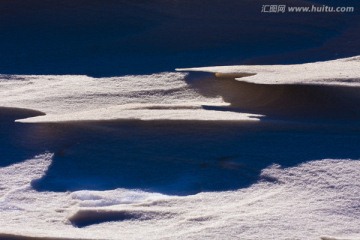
x=281, y=175
x=341, y=72
x=169, y=95
x=149, y=97
x=312, y=200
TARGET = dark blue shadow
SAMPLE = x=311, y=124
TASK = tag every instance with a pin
x=111, y=38
x=15, y=145
x=171, y=157
x=183, y=157
x=290, y=102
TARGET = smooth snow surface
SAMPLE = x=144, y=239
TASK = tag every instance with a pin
x=309, y=201
x=340, y=72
